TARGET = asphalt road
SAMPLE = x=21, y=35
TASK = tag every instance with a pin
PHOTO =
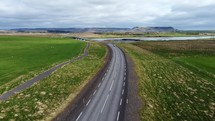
x=109, y=98
x=41, y=76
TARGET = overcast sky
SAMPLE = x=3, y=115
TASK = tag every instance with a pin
x=181, y=14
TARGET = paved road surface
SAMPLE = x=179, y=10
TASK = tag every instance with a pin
x=108, y=99
x=41, y=76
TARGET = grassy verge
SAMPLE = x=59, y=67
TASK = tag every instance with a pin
x=198, y=56
x=24, y=57
x=49, y=96
x=170, y=91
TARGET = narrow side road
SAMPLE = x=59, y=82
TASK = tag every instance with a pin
x=41, y=76
x=107, y=101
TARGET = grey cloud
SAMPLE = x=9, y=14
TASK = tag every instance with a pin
x=182, y=14
x=189, y=17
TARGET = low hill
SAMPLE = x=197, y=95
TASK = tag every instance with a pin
x=153, y=29
x=96, y=30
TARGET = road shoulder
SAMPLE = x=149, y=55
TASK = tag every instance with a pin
x=133, y=101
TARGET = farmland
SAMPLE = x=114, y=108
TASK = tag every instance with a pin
x=24, y=57
x=173, y=85
x=44, y=100
x=140, y=34
x=198, y=56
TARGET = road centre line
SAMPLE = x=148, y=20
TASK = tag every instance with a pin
x=104, y=103
x=111, y=85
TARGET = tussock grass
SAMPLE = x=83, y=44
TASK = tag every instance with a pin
x=170, y=91
x=197, y=55
x=49, y=96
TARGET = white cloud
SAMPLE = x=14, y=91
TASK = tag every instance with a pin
x=110, y=13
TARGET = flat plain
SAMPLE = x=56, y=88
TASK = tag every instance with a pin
x=198, y=56
x=45, y=99
x=176, y=79
x=26, y=56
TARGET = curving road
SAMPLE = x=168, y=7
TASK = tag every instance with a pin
x=41, y=76
x=109, y=98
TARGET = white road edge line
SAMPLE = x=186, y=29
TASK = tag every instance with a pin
x=118, y=116
x=121, y=101
x=99, y=84
x=94, y=92
x=88, y=102
x=127, y=101
x=104, y=104
x=122, y=91
x=124, y=78
x=79, y=116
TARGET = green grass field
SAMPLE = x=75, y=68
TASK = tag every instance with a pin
x=143, y=34
x=170, y=90
x=198, y=56
x=30, y=55
x=46, y=99
x=204, y=63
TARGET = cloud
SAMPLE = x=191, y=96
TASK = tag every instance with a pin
x=183, y=14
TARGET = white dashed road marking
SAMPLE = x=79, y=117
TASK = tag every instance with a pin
x=122, y=91
x=88, y=102
x=121, y=101
x=94, y=92
x=104, y=104
x=118, y=116
x=79, y=116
